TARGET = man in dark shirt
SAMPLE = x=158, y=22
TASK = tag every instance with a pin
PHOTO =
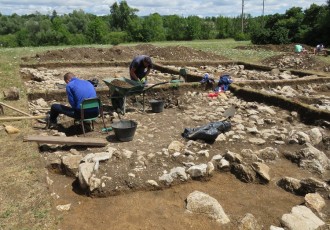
x=140, y=68
x=77, y=90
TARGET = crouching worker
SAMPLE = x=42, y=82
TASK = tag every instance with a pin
x=319, y=49
x=77, y=90
x=139, y=69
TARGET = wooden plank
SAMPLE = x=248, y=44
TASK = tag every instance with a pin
x=67, y=140
x=21, y=118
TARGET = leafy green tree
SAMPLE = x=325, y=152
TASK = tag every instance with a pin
x=153, y=29
x=96, y=31
x=174, y=27
x=135, y=29
x=261, y=36
x=222, y=26
x=324, y=28
x=208, y=28
x=120, y=15
x=23, y=38
x=227, y=27
x=77, y=21
x=10, y=24
x=194, y=28
x=292, y=20
x=280, y=36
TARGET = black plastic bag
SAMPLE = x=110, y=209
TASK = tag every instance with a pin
x=207, y=132
x=94, y=82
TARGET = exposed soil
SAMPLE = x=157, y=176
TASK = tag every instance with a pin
x=132, y=204
x=288, y=59
x=124, y=53
x=135, y=205
x=294, y=61
x=275, y=48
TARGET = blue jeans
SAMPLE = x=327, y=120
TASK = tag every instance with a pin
x=57, y=109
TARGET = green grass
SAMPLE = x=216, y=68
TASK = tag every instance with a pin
x=23, y=185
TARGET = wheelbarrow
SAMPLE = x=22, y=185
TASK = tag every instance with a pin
x=123, y=87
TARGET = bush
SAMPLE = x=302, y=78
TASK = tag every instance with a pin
x=260, y=37
x=115, y=38
x=242, y=37
x=267, y=36
x=77, y=39
x=280, y=36
x=8, y=41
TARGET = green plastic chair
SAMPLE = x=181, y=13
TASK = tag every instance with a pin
x=183, y=73
x=90, y=103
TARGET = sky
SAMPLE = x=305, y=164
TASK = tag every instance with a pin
x=229, y=8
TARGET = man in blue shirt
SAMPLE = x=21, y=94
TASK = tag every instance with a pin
x=77, y=90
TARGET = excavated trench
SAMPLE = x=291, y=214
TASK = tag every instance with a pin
x=277, y=111
x=249, y=90
x=134, y=164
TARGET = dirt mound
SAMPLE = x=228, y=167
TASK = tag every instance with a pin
x=180, y=53
x=124, y=53
x=294, y=61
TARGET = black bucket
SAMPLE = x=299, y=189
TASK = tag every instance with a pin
x=124, y=129
x=157, y=106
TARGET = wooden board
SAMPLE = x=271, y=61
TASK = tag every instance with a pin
x=67, y=140
x=22, y=118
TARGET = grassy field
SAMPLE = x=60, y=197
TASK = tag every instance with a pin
x=25, y=202
x=24, y=199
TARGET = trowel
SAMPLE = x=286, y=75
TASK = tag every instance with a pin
x=229, y=113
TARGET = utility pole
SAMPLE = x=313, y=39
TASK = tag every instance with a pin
x=242, y=16
x=263, y=7
x=263, y=11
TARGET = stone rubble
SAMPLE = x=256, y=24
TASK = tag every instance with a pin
x=257, y=125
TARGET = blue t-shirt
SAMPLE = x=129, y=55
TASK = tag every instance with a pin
x=78, y=90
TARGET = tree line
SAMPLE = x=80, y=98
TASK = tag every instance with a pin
x=122, y=25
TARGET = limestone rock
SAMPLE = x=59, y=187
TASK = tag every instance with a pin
x=249, y=222
x=243, y=173
x=11, y=129
x=11, y=94
x=175, y=146
x=301, y=218
x=314, y=201
x=262, y=170
x=201, y=203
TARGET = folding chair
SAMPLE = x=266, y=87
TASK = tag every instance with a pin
x=86, y=105
x=183, y=73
